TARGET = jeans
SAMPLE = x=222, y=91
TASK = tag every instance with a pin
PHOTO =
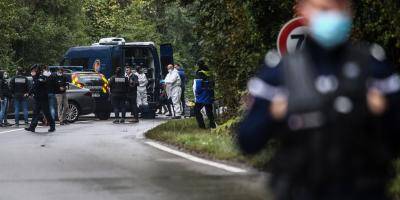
x=3, y=111
x=52, y=105
x=18, y=102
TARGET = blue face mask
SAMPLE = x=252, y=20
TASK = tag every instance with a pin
x=330, y=28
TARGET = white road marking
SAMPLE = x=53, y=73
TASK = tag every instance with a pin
x=9, y=131
x=196, y=159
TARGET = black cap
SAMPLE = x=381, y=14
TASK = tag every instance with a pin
x=35, y=66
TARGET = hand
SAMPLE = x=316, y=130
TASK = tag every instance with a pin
x=26, y=95
x=279, y=107
x=377, y=103
x=62, y=89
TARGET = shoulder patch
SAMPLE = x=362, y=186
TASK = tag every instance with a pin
x=377, y=52
x=272, y=58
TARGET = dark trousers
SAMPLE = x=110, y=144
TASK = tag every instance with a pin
x=133, y=104
x=118, y=103
x=41, y=105
x=183, y=100
x=199, y=116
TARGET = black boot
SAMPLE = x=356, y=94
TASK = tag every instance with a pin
x=30, y=129
x=52, y=129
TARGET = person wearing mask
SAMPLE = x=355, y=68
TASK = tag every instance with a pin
x=174, y=90
x=19, y=86
x=5, y=97
x=61, y=86
x=118, y=89
x=39, y=90
x=52, y=88
x=142, y=88
x=132, y=93
x=334, y=108
x=203, y=89
x=182, y=75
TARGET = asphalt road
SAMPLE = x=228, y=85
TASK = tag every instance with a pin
x=96, y=160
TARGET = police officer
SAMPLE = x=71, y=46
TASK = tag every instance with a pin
x=19, y=86
x=118, y=89
x=52, y=87
x=132, y=93
x=5, y=97
x=40, y=93
x=204, y=98
x=182, y=75
x=334, y=108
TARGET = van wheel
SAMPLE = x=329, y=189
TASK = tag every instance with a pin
x=103, y=115
x=73, y=112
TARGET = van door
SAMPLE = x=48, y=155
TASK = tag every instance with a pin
x=166, y=57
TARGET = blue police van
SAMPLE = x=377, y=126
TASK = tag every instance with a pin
x=104, y=57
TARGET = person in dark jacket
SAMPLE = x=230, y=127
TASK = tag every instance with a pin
x=203, y=89
x=5, y=97
x=132, y=93
x=19, y=86
x=333, y=106
x=118, y=89
x=52, y=90
x=61, y=82
x=40, y=92
x=182, y=75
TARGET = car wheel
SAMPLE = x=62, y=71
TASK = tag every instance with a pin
x=103, y=115
x=73, y=112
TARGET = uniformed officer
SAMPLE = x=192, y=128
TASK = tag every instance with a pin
x=132, y=93
x=334, y=108
x=19, y=86
x=5, y=98
x=203, y=89
x=118, y=89
x=40, y=93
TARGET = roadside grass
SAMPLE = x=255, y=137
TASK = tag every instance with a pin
x=185, y=135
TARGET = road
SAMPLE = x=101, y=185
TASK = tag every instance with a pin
x=97, y=160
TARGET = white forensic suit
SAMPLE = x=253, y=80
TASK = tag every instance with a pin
x=174, y=90
x=142, y=89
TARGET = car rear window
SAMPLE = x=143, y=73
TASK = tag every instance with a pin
x=90, y=79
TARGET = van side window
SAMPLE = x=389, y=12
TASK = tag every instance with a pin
x=80, y=62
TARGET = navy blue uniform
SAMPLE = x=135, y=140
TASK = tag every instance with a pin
x=119, y=86
x=40, y=93
x=203, y=89
x=331, y=146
